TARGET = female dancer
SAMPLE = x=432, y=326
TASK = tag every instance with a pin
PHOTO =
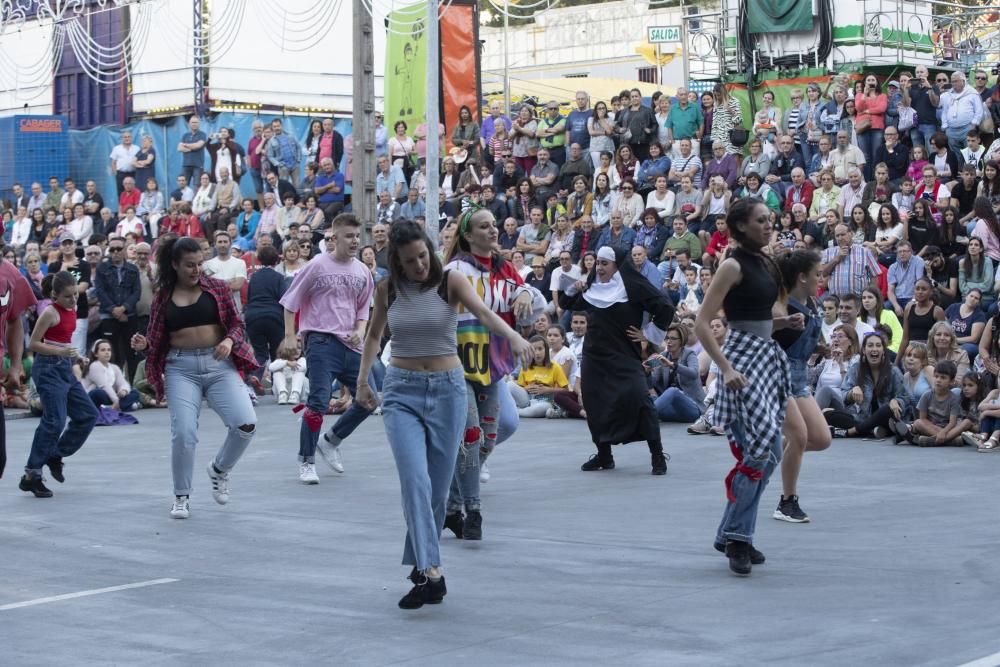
x=615, y=396
x=197, y=340
x=804, y=428
x=424, y=395
x=487, y=357
x=60, y=392
x=756, y=386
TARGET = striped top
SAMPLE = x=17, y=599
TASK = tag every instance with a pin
x=422, y=322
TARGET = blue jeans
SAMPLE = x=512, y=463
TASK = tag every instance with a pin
x=328, y=359
x=100, y=398
x=424, y=414
x=740, y=516
x=61, y=395
x=869, y=142
x=673, y=405
x=956, y=138
x=479, y=439
x=193, y=375
x=508, y=419
x=921, y=134
x=989, y=425
x=193, y=175
x=258, y=181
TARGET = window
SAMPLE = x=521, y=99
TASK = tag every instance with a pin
x=647, y=74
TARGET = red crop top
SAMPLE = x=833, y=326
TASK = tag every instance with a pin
x=62, y=332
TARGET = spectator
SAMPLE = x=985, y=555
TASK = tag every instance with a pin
x=224, y=266
x=205, y=201
x=870, y=122
x=850, y=268
x=722, y=164
x=924, y=97
x=920, y=314
x=264, y=313
x=330, y=188
x=845, y=157
x=284, y=153
x=118, y=292
x=105, y=383
x=636, y=126
x=291, y=260
x=903, y=275
x=274, y=184
x=225, y=154
x=576, y=165
x=543, y=176
x=943, y=345
x=961, y=111
x=123, y=158
x=390, y=178
x=247, y=221
x=727, y=115
x=782, y=165
x=872, y=394
x=799, y=190
x=465, y=135
x=675, y=378
x=192, y=150
x=254, y=151
x=331, y=144
x=534, y=236
x=893, y=154
x=486, y=132
x=387, y=211
x=228, y=198
x=130, y=224
x=54, y=197
x=851, y=193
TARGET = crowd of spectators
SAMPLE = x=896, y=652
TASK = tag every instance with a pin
x=895, y=183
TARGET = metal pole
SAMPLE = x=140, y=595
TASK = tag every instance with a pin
x=433, y=118
x=506, y=63
x=685, y=46
x=199, y=57
x=362, y=130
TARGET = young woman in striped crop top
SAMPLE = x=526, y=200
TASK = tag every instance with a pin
x=424, y=392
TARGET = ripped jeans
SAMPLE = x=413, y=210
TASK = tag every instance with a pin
x=478, y=441
x=740, y=515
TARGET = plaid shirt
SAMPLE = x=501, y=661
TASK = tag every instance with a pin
x=759, y=408
x=854, y=273
x=232, y=323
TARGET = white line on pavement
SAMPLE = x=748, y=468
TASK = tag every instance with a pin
x=83, y=594
x=988, y=661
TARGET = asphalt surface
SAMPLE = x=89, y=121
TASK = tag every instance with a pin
x=897, y=567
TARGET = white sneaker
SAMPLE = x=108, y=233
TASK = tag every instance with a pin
x=220, y=485
x=283, y=398
x=181, y=508
x=554, y=413
x=484, y=473
x=330, y=452
x=294, y=398
x=307, y=473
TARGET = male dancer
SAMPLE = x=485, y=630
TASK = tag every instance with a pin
x=331, y=296
x=15, y=297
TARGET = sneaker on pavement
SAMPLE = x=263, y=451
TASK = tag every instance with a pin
x=424, y=591
x=925, y=441
x=472, y=528
x=739, y=557
x=484, y=473
x=596, y=462
x=700, y=427
x=970, y=439
x=838, y=432
x=455, y=522
x=659, y=462
x=901, y=429
x=789, y=510
x=881, y=433
x=717, y=430
x=282, y=398
x=293, y=398
x=181, y=508
x=220, y=484
x=35, y=485
x=55, y=465
x=554, y=413
x=307, y=473
x=756, y=557
x=329, y=449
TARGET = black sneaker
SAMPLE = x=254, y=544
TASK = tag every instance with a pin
x=454, y=521
x=423, y=592
x=660, y=463
x=55, y=465
x=739, y=557
x=473, y=527
x=838, y=432
x=789, y=510
x=35, y=485
x=902, y=430
x=595, y=462
x=756, y=557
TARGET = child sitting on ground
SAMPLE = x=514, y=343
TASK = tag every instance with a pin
x=988, y=438
x=288, y=376
x=939, y=409
x=539, y=382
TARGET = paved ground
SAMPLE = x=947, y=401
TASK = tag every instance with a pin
x=899, y=566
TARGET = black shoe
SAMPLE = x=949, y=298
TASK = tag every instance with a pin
x=595, y=462
x=55, y=465
x=423, y=592
x=789, y=510
x=739, y=557
x=660, y=463
x=35, y=485
x=756, y=557
x=455, y=523
x=473, y=528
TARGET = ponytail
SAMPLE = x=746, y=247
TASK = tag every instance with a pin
x=55, y=283
x=169, y=250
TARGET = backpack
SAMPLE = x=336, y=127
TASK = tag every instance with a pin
x=907, y=118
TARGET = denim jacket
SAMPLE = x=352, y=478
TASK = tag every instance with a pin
x=894, y=389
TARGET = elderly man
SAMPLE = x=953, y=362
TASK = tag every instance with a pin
x=722, y=164
x=852, y=193
x=782, y=165
x=487, y=130
x=147, y=278
x=228, y=198
x=390, y=179
x=961, y=111
x=685, y=121
x=686, y=163
x=284, y=153
x=800, y=190
x=903, y=275
x=129, y=197
x=254, y=161
x=37, y=198
x=329, y=187
x=413, y=206
x=640, y=260
x=123, y=160
x=849, y=268
x=844, y=157
x=551, y=133
x=543, y=176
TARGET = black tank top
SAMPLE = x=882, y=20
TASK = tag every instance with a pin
x=920, y=325
x=754, y=296
x=201, y=312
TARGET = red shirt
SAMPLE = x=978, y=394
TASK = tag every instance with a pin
x=126, y=199
x=15, y=297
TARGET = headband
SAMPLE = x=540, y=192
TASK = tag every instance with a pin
x=463, y=222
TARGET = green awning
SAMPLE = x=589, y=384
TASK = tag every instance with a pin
x=776, y=16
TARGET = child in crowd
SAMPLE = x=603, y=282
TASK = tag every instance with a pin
x=938, y=410
x=105, y=382
x=559, y=352
x=988, y=438
x=691, y=293
x=60, y=393
x=537, y=383
x=288, y=377
x=786, y=233
x=903, y=200
x=918, y=160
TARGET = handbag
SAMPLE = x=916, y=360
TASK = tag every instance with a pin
x=738, y=136
x=862, y=125
x=987, y=126
x=907, y=116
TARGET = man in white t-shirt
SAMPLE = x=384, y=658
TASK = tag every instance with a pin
x=123, y=160
x=849, y=309
x=563, y=276
x=226, y=267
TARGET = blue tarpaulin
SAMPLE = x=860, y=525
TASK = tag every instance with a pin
x=90, y=149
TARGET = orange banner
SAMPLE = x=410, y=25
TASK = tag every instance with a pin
x=459, y=73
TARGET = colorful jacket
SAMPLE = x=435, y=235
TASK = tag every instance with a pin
x=485, y=356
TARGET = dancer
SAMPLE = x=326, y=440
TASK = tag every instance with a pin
x=424, y=391
x=755, y=384
x=197, y=349
x=331, y=295
x=615, y=396
x=61, y=393
x=486, y=357
x=17, y=297
x=801, y=328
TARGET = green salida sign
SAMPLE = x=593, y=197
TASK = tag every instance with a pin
x=662, y=34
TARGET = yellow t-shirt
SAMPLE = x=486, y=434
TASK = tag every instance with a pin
x=553, y=376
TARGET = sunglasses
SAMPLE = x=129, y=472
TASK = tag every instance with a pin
x=305, y=245
x=116, y=248
x=980, y=78
x=628, y=187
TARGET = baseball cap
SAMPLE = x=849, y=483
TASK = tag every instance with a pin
x=552, y=105
x=66, y=238
x=894, y=84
